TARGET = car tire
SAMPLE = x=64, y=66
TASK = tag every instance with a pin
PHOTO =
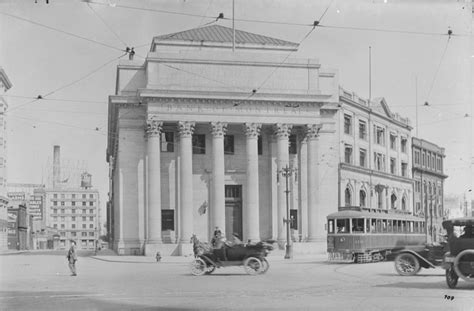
x=407, y=264
x=451, y=277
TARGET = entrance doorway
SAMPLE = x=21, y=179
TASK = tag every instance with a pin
x=233, y=210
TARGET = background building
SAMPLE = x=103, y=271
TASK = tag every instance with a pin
x=72, y=212
x=5, y=85
x=18, y=224
x=375, y=155
x=429, y=186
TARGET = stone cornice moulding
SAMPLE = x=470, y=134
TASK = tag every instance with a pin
x=367, y=171
x=236, y=62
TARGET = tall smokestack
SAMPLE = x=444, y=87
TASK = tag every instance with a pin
x=56, y=167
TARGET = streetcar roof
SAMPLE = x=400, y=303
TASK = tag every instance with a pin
x=379, y=214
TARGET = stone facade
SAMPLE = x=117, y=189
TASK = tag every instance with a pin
x=428, y=163
x=375, y=155
x=5, y=85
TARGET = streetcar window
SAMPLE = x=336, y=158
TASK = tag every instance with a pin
x=372, y=225
x=384, y=225
x=331, y=226
x=342, y=225
x=389, y=224
x=379, y=225
x=358, y=225
x=368, y=225
x=395, y=226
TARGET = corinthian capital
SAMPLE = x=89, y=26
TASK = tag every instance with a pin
x=252, y=130
x=153, y=127
x=218, y=129
x=312, y=130
x=186, y=128
x=282, y=130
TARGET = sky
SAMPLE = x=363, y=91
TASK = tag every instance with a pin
x=67, y=51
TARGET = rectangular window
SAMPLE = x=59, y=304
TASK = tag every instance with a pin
x=404, y=169
x=167, y=142
x=63, y=226
x=199, y=144
x=62, y=233
x=62, y=203
x=84, y=203
x=417, y=157
x=73, y=233
x=73, y=218
x=84, y=218
x=62, y=211
x=73, y=226
x=91, y=218
x=228, y=144
x=91, y=234
x=379, y=161
x=379, y=135
x=423, y=159
x=73, y=211
x=55, y=211
x=292, y=144
x=55, y=226
x=347, y=124
x=84, y=226
x=393, y=165
x=91, y=226
x=63, y=218
x=362, y=158
x=84, y=196
x=403, y=145
x=73, y=203
x=84, y=211
x=362, y=130
x=393, y=141
x=91, y=211
x=91, y=203
x=55, y=218
x=84, y=233
x=55, y=203
x=55, y=195
x=348, y=154
x=73, y=195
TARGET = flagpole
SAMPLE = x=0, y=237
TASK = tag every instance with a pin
x=233, y=26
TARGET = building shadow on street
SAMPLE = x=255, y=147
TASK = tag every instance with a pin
x=59, y=300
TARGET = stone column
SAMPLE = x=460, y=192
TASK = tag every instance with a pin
x=314, y=231
x=217, y=208
x=251, y=207
x=282, y=133
x=186, y=181
x=153, y=131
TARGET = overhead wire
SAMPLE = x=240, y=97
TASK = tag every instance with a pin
x=56, y=99
x=106, y=25
x=315, y=24
x=40, y=97
x=61, y=31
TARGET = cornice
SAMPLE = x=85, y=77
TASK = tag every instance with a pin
x=429, y=172
x=367, y=171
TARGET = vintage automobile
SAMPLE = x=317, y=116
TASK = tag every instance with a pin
x=410, y=260
x=250, y=256
x=459, y=260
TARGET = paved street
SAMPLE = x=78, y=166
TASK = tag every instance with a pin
x=42, y=282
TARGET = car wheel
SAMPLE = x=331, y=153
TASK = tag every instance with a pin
x=451, y=277
x=407, y=264
x=198, y=267
x=253, y=265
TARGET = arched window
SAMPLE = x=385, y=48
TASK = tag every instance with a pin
x=393, y=199
x=404, y=204
x=362, y=197
x=348, y=196
x=379, y=199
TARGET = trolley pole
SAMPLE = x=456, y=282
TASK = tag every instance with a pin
x=287, y=172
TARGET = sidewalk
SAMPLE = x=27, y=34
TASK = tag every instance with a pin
x=273, y=256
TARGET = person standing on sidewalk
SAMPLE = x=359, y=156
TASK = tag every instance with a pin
x=72, y=258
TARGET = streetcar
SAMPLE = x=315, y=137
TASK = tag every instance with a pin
x=358, y=234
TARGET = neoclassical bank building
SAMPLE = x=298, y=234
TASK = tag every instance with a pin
x=207, y=133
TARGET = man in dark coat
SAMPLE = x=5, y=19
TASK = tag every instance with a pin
x=72, y=258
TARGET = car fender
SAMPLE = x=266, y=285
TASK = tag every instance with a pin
x=423, y=262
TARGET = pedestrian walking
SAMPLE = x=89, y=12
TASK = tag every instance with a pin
x=72, y=258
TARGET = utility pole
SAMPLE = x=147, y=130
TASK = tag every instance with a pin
x=287, y=172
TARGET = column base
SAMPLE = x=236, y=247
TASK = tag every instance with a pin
x=128, y=247
x=185, y=249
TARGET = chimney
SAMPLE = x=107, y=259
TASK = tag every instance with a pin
x=56, y=167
